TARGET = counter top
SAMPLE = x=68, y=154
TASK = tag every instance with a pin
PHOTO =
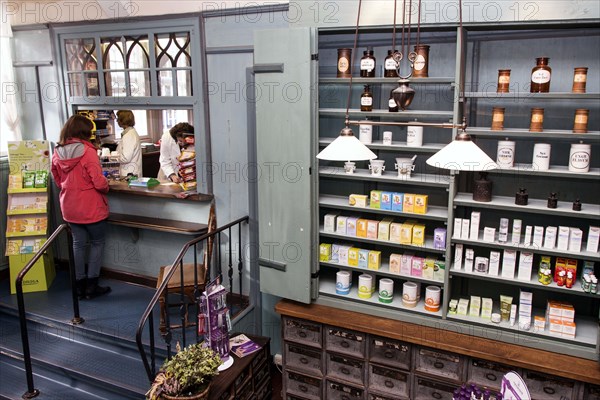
x=164, y=190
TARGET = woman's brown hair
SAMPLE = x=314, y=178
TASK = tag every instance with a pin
x=76, y=127
x=125, y=118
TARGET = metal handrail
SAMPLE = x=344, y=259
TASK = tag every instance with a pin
x=31, y=391
x=147, y=315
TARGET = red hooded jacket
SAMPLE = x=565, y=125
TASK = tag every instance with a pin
x=77, y=172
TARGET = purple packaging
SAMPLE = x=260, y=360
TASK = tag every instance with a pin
x=439, y=238
x=386, y=201
x=397, y=201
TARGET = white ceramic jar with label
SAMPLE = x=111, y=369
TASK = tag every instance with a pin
x=506, y=154
x=579, y=157
x=541, y=156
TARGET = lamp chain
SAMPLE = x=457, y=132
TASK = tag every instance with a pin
x=347, y=119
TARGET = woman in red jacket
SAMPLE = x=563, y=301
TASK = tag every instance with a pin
x=77, y=172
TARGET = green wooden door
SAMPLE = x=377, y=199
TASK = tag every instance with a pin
x=285, y=123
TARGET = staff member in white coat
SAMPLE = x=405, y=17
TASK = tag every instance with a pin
x=170, y=149
x=129, y=148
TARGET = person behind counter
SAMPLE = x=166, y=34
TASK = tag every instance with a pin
x=77, y=173
x=129, y=148
x=170, y=150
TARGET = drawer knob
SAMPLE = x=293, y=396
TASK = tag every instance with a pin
x=345, y=344
x=549, y=390
x=345, y=371
x=304, y=360
x=389, y=384
x=436, y=395
x=491, y=377
x=388, y=354
x=303, y=388
x=302, y=334
x=438, y=364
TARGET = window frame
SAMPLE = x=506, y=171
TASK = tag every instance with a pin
x=196, y=102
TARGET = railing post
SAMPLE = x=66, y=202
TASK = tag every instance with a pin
x=76, y=317
x=31, y=391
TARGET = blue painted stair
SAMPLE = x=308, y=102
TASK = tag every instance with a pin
x=95, y=360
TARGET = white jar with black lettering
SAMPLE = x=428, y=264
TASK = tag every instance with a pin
x=506, y=154
x=579, y=157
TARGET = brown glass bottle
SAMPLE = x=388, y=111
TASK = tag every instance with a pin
x=537, y=120
x=540, y=76
x=503, y=81
x=497, y=119
x=392, y=105
x=579, y=80
x=390, y=68
x=367, y=64
x=344, y=69
x=366, y=99
x=581, y=120
x=421, y=64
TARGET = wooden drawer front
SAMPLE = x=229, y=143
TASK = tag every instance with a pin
x=591, y=392
x=548, y=387
x=229, y=394
x=260, y=373
x=259, y=358
x=303, y=332
x=303, y=359
x=264, y=390
x=347, y=369
x=346, y=342
x=292, y=397
x=245, y=392
x=428, y=389
x=390, y=352
x=341, y=391
x=241, y=380
x=300, y=385
x=488, y=374
x=440, y=364
x=389, y=381
x=373, y=396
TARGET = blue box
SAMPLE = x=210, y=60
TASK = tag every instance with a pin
x=397, y=201
x=386, y=201
x=363, y=258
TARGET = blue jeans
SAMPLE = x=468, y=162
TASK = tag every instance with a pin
x=97, y=234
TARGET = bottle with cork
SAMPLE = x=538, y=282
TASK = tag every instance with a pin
x=366, y=99
x=540, y=76
x=367, y=64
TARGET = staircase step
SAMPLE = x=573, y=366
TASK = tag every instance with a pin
x=52, y=385
x=115, y=368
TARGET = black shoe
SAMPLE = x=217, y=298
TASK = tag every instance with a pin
x=81, y=287
x=94, y=290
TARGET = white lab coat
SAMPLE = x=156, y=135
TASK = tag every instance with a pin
x=169, y=154
x=130, y=153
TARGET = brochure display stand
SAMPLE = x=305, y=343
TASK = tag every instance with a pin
x=27, y=213
x=214, y=321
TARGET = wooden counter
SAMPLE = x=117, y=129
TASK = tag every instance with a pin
x=520, y=356
x=164, y=190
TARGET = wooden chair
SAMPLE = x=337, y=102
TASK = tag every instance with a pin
x=174, y=285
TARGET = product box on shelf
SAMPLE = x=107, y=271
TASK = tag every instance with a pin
x=463, y=307
x=406, y=230
x=508, y=263
x=465, y=229
x=409, y=203
x=475, y=306
x=375, y=201
x=417, y=266
x=395, y=230
x=397, y=201
x=516, y=232
x=575, y=239
x=335, y=252
x=386, y=201
x=457, y=232
x=353, y=256
x=418, y=235
x=361, y=227
x=439, y=238
x=343, y=255
x=469, y=260
x=563, y=238
x=406, y=264
x=486, y=307
x=428, y=268
x=325, y=252
x=525, y=266
x=538, y=236
x=474, y=230
x=489, y=234
x=395, y=262
x=439, y=270
x=527, y=237
x=329, y=223
x=363, y=258
x=421, y=201
x=383, y=232
x=458, y=256
x=374, y=260
x=341, y=225
x=351, y=226
x=372, y=229
x=494, y=266
x=593, y=239
x=550, y=237
x=358, y=200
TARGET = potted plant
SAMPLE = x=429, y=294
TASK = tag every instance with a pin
x=186, y=375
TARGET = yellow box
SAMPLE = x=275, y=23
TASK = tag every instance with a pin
x=40, y=276
x=395, y=229
x=406, y=230
x=361, y=228
x=420, y=205
x=409, y=203
x=374, y=259
x=372, y=229
x=358, y=200
x=325, y=252
x=428, y=268
x=375, y=199
x=418, y=235
x=353, y=256
x=383, y=230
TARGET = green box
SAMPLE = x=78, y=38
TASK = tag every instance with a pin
x=38, y=279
